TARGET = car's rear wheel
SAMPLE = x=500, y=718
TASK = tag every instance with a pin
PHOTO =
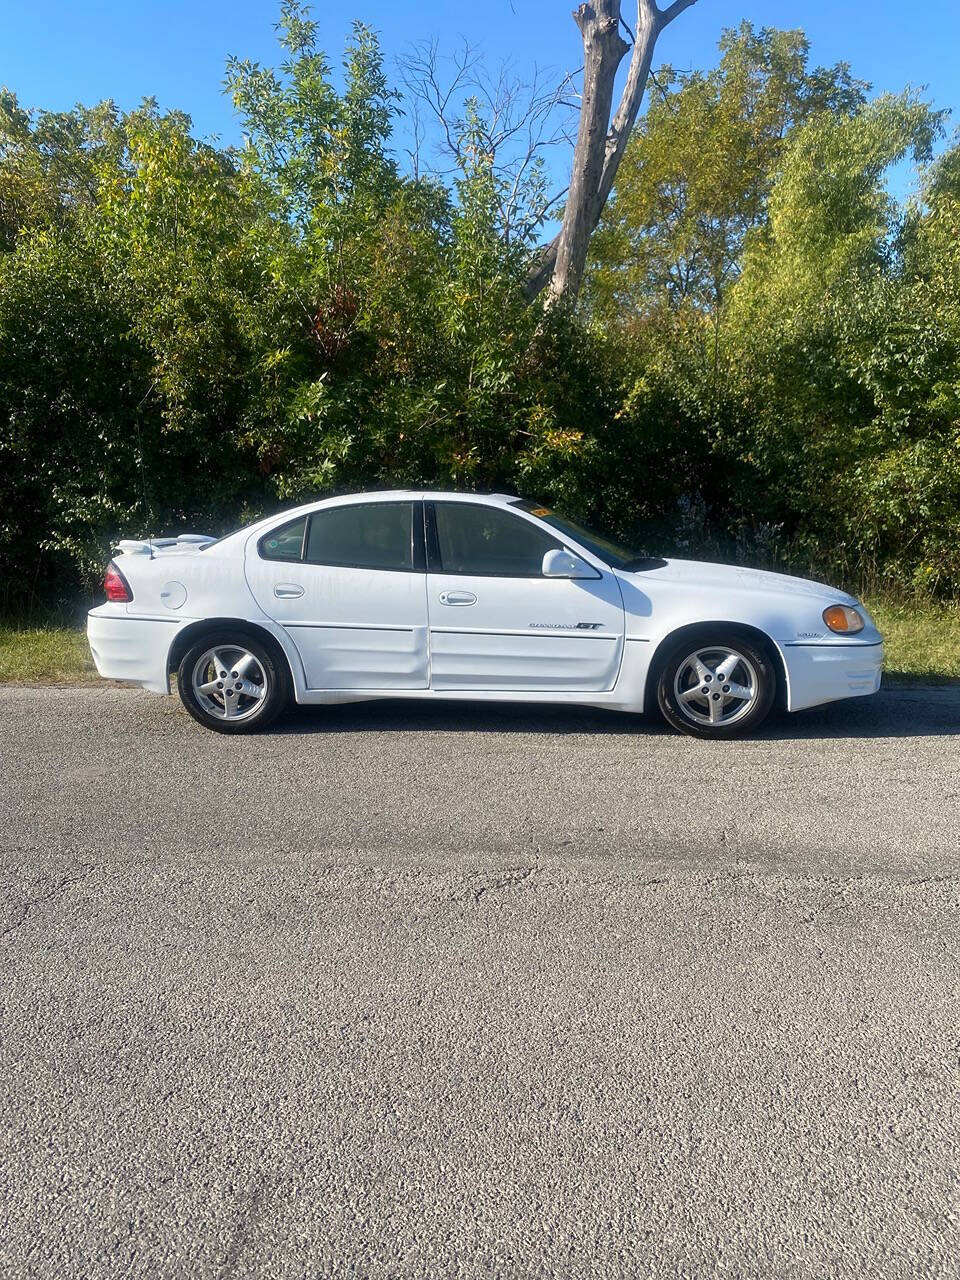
x=716, y=685
x=232, y=683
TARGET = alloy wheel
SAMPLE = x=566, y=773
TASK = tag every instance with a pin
x=716, y=687
x=230, y=683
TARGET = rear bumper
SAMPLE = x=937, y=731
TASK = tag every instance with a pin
x=133, y=649
x=819, y=673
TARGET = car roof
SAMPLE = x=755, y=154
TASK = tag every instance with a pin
x=461, y=495
x=373, y=495
x=280, y=518
x=412, y=495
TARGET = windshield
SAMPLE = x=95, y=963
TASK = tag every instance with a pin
x=615, y=554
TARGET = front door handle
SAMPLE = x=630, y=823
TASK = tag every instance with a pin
x=287, y=591
x=457, y=597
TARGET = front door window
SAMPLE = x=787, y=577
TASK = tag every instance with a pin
x=489, y=541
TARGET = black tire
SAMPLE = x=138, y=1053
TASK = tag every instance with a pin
x=243, y=711
x=735, y=715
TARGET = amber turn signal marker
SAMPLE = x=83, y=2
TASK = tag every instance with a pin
x=839, y=617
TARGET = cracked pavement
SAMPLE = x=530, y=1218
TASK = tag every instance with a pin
x=455, y=990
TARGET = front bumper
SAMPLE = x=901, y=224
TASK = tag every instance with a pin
x=128, y=648
x=819, y=673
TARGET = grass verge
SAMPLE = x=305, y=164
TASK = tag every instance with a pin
x=45, y=655
x=923, y=639
x=923, y=644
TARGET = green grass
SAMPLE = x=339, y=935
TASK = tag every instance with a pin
x=45, y=655
x=923, y=643
x=923, y=639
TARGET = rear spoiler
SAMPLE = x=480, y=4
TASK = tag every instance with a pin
x=150, y=546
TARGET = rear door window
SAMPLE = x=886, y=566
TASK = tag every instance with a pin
x=374, y=535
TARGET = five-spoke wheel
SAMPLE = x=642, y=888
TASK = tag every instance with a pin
x=714, y=687
x=231, y=683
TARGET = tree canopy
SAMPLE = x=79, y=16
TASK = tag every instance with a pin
x=765, y=362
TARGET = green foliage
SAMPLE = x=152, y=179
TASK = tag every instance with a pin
x=766, y=366
x=696, y=176
x=804, y=327
x=828, y=215
x=50, y=163
x=411, y=356
x=839, y=363
x=125, y=357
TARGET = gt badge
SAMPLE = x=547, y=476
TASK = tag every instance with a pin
x=568, y=626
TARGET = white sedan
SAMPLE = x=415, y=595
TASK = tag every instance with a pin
x=482, y=598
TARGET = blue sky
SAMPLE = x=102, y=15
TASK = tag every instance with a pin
x=54, y=53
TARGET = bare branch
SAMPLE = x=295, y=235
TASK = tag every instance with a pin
x=518, y=120
x=673, y=11
x=422, y=76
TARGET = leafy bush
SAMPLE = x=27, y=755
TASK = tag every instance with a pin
x=765, y=364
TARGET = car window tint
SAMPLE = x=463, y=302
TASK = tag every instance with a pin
x=285, y=543
x=375, y=535
x=488, y=540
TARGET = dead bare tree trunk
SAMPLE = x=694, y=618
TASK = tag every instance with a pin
x=603, y=50
x=600, y=143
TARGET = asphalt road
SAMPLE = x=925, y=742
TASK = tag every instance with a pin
x=463, y=991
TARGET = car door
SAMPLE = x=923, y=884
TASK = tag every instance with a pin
x=497, y=623
x=348, y=584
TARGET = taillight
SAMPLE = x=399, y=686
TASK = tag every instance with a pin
x=116, y=585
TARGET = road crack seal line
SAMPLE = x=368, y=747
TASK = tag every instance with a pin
x=509, y=880
x=26, y=907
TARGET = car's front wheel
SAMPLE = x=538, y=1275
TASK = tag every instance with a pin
x=716, y=686
x=231, y=683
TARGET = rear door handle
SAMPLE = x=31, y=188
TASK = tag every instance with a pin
x=287, y=591
x=457, y=597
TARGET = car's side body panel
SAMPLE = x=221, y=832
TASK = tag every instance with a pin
x=353, y=628
x=356, y=634
x=515, y=629
x=127, y=647
x=818, y=667
x=131, y=648
x=189, y=584
x=524, y=633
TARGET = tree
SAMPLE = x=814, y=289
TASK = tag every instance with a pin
x=50, y=162
x=518, y=121
x=409, y=354
x=190, y=334
x=600, y=142
x=128, y=341
x=512, y=120
x=837, y=355
x=696, y=175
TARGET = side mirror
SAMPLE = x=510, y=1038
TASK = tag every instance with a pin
x=564, y=564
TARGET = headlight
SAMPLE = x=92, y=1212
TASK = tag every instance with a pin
x=840, y=617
